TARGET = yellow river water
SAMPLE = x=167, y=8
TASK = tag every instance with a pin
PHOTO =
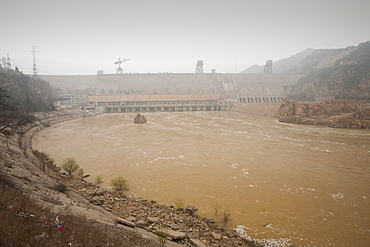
x=284, y=184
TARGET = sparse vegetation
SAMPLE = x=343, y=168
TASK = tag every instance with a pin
x=98, y=180
x=80, y=173
x=216, y=209
x=223, y=214
x=179, y=203
x=162, y=235
x=70, y=165
x=119, y=183
x=24, y=223
x=19, y=96
x=46, y=161
x=24, y=93
x=347, y=79
x=226, y=216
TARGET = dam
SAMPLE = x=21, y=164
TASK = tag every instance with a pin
x=163, y=92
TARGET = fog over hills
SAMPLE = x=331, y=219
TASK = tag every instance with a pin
x=329, y=73
x=305, y=61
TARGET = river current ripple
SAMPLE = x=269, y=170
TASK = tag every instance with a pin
x=284, y=184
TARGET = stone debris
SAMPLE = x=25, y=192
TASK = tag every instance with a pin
x=331, y=113
x=182, y=224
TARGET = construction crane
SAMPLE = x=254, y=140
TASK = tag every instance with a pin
x=119, y=70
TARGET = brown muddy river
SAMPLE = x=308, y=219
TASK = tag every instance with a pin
x=284, y=184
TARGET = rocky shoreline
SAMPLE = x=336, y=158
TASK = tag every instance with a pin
x=181, y=225
x=148, y=219
x=331, y=113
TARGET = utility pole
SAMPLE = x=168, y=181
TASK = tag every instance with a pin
x=34, y=63
x=96, y=98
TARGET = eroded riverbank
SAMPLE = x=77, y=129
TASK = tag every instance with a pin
x=144, y=217
x=281, y=181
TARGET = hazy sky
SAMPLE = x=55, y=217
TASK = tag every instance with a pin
x=82, y=37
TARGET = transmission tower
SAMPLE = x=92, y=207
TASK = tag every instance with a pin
x=3, y=63
x=8, y=63
x=34, y=63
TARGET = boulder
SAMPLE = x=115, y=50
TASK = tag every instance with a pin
x=191, y=209
x=174, y=226
x=197, y=243
x=153, y=219
x=176, y=235
x=141, y=224
x=140, y=119
x=125, y=222
x=216, y=236
x=189, y=222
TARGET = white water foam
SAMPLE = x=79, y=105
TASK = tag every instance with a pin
x=337, y=196
x=280, y=242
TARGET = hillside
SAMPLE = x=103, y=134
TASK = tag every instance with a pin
x=20, y=95
x=347, y=78
x=330, y=73
x=25, y=92
x=304, y=62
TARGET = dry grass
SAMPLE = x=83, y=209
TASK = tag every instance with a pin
x=119, y=183
x=25, y=223
x=46, y=161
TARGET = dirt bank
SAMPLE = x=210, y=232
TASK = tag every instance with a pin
x=130, y=216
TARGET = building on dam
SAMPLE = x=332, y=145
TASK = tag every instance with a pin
x=157, y=102
x=153, y=92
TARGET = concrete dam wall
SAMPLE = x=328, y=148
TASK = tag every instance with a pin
x=246, y=85
x=249, y=89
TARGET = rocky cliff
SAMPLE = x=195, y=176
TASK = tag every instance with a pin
x=348, y=78
x=331, y=113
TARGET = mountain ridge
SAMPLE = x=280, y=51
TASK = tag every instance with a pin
x=305, y=61
x=342, y=73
